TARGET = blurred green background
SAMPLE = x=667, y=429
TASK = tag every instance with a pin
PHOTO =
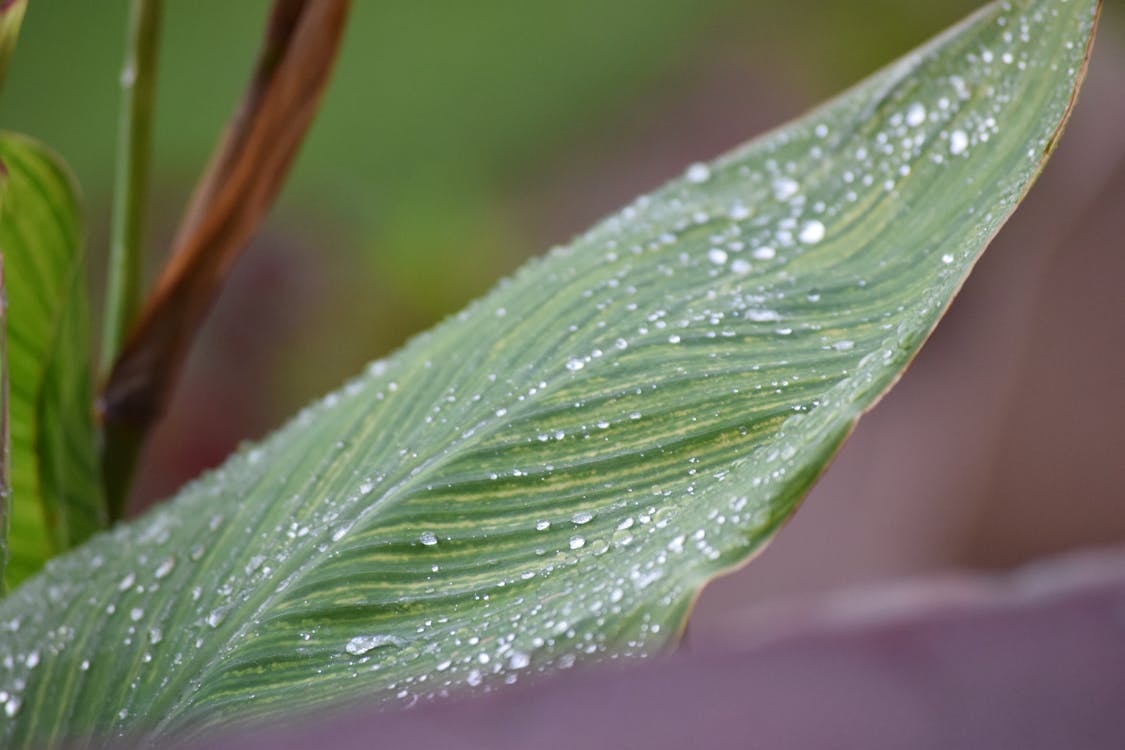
x=456, y=139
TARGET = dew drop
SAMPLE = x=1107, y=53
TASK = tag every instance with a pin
x=698, y=173
x=915, y=115
x=763, y=316
x=361, y=644
x=217, y=615
x=581, y=517
x=812, y=232
x=577, y=542
x=574, y=365
x=764, y=253
x=740, y=266
x=717, y=256
x=165, y=567
x=428, y=538
x=958, y=142
x=785, y=188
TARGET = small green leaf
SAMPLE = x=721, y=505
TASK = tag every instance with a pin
x=551, y=476
x=56, y=492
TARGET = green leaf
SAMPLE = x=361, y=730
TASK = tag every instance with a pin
x=56, y=490
x=551, y=476
x=5, y=436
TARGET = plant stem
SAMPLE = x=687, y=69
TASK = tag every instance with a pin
x=134, y=144
x=232, y=199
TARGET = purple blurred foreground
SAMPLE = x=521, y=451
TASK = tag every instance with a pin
x=1034, y=659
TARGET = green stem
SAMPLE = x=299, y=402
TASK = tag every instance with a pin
x=134, y=144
